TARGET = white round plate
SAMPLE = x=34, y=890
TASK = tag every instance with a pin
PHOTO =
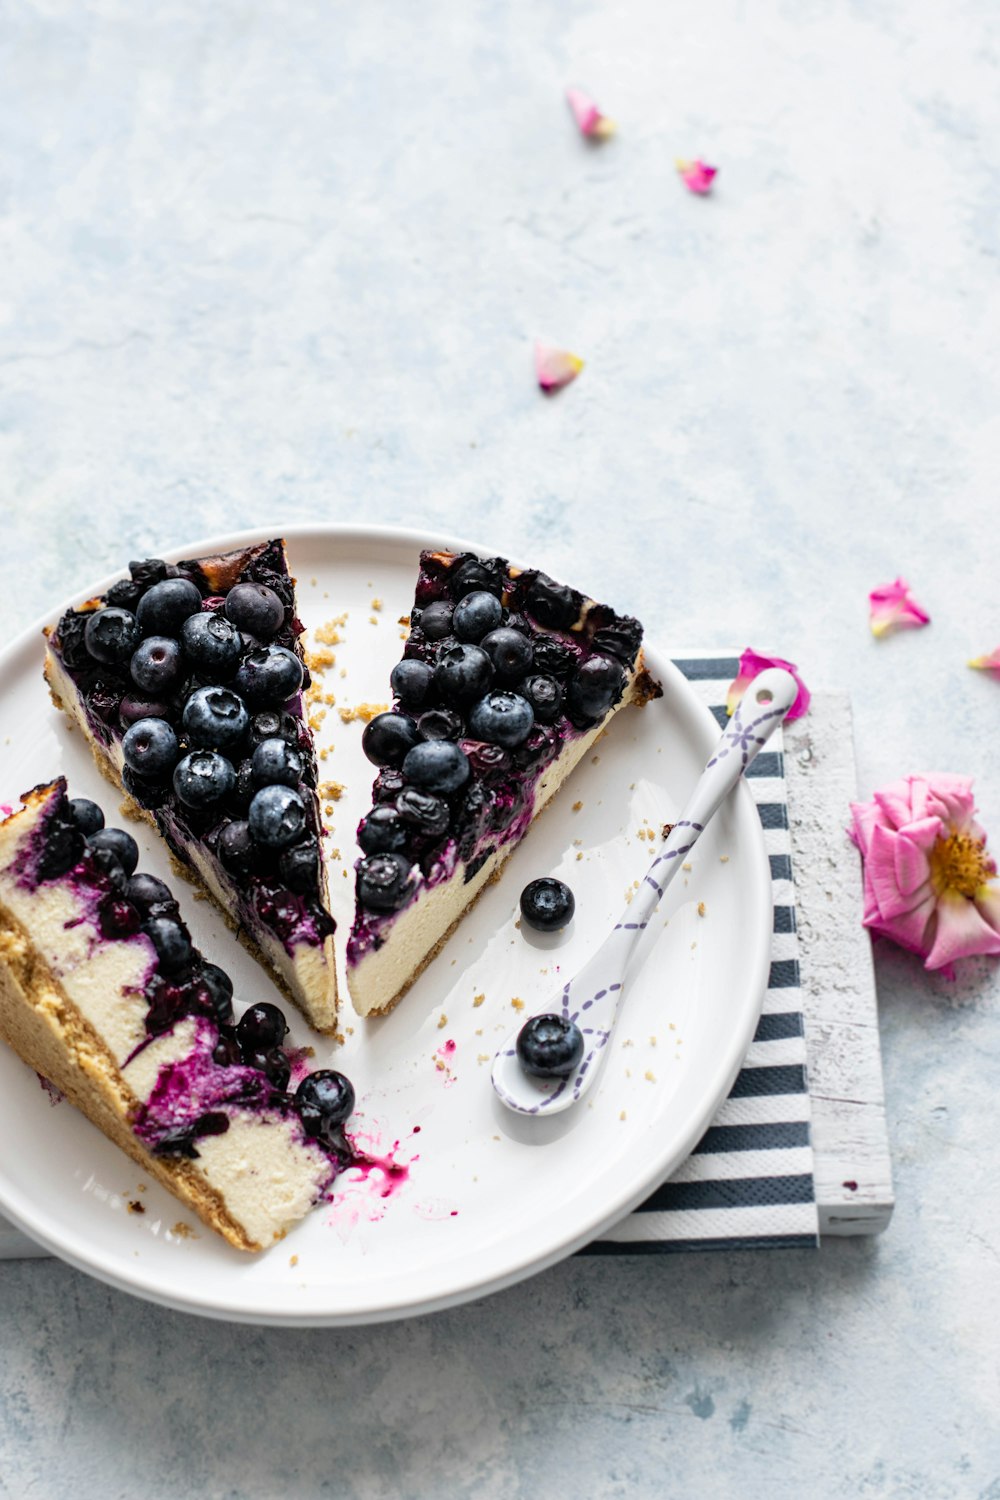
x=478, y=1198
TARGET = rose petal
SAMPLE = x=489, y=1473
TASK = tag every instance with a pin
x=697, y=176
x=961, y=931
x=989, y=663
x=588, y=117
x=555, y=367
x=751, y=663
x=892, y=607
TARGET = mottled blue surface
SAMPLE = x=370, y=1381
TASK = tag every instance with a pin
x=268, y=263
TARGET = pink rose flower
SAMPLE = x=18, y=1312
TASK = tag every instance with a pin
x=929, y=883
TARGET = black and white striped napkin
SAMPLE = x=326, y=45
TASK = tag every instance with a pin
x=748, y=1184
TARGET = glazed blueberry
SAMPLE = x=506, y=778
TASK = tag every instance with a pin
x=121, y=844
x=324, y=1100
x=276, y=761
x=383, y=831
x=437, y=766
x=388, y=738
x=554, y=657
x=255, y=608
x=220, y=991
x=212, y=644
x=545, y=694
x=502, y=718
x=226, y=1053
x=268, y=676
x=462, y=673
x=475, y=574
x=410, y=682
x=541, y=746
x=510, y=652
x=439, y=724
x=427, y=813
x=486, y=759
x=163, y=609
x=594, y=686
x=62, y=849
x=145, y=891
x=203, y=777
x=156, y=664
x=547, y=904
x=298, y=867
x=384, y=882
x=87, y=816
x=273, y=1064
x=549, y=1047
x=245, y=785
x=387, y=785
x=277, y=816
x=133, y=708
x=553, y=604
x=111, y=635
x=109, y=866
x=150, y=749
x=215, y=718
x=274, y=724
x=261, y=1027
x=172, y=944
x=476, y=615
x=236, y=847
x=435, y=620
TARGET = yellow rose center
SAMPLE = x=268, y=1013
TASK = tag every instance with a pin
x=959, y=863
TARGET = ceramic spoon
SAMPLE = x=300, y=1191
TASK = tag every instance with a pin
x=592, y=997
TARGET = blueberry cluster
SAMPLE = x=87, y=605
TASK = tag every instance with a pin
x=501, y=666
x=196, y=684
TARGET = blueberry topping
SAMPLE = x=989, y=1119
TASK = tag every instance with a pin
x=274, y=724
x=276, y=761
x=277, y=816
x=108, y=864
x=553, y=604
x=545, y=694
x=163, y=609
x=226, y=1053
x=255, y=608
x=437, y=766
x=111, y=635
x=132, y=708
x=147, y=572
x=203, y=777
x=220, y=991
x=476, y=574
x=298, y=867
x=268, y=676
x=622, y=638
x=324, y=1100
x=383, y=831
x=156, y=664
x=476, y=615
x=487, y=759
x=87, y=816
x=549, y=1047
x=462, y=673
x=180, y=1141
x=503, y=718
x=387, y=785
x=541, y=746
x=594, y=686
x=410, y=682
x=440, y=724
x=121, y=844
x=146, y=891
x=125, y=594
x=427, y=813
x=172, y=944
x=554, y=657
x=63, y=847
x=547, y=904
x=261, y=1027
x=212, y=644
x=435, y=620
x=388, y=737
x=236, y=847
x=150, y=749
x=273, y=1064
x=384, y=882
x=215, y=717
x=510, y=652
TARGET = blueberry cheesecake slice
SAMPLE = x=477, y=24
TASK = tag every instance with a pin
x=187, y=683
x=506, y=681
x=103, y=994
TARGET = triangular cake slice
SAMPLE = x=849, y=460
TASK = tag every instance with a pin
x=507, y=679
x=187, y=680
x=104, y=995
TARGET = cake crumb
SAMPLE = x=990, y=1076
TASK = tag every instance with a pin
x=335, y=854
x=140, y=1187
x=183, y=1231
x=343, y=671
x=404, y=620
x=628, y=1042
x=482, y=1057
x=623, y=1116
x=479, y=1031
x=333, y=790
x=373, y=619
x=477, y=1000
x=324, y=752
x=577, y=843
x=577, y=806
x=328, y=634
x=667, y=830
x=318, y=661
x=594, y=759
x=649, y=1076
x=672, y=1026
x=364, y=711
x=376, y=603
x=517, y=1003
x=313, y=582
x=579, y=854
x=135, y=1207
x=328, y=809
x=687, y=865
x=701, y=908
x=130, y=811
x=652, y=1041
x=442, y=1020
x=723, y=859
x=293, y=1260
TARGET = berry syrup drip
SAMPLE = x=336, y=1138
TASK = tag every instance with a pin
x=196, y=670
x=501, y=668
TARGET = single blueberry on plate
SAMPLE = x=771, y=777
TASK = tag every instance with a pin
x=146, y=891
x=510, y=652
x=502, y=718
x=255, y=608
x=203, y=777
x=549, y=1047
x=87, y=816
x=324, y=1100
x=298, y=867
x=212, y=644
x=595, y=685
x=121, y=844
x=172, y=944
x=150, y=749
x=276, y=761
x=440, y=724
x=268, y=676
x=385, y=882
x=236, y=847
x=462, y=672
x=277, y=816
x=215, y=717
x=163, y=609
x=547, y=904
x=423, y=811
x=410, y=682
x=388, y=738
x=261, y=1027
x=435, y=620
x=437, y=766
x=383, y=831
x=111, y=635
x=476, y=615
x=156, y=664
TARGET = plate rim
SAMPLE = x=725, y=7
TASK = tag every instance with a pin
x=94, y=1262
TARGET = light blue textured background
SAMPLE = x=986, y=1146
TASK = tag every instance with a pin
x=271, y=263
